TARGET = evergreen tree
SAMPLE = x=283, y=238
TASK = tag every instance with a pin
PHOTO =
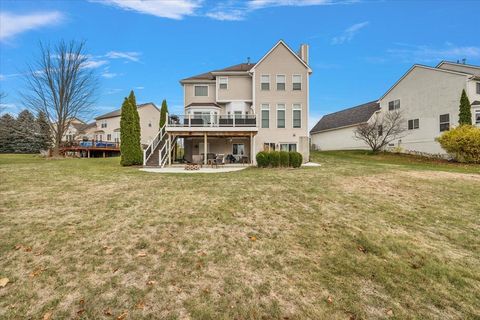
x=44, y=133
x=163, y=113
x=7, y=125
x=126, y=134
x=138, y=154
x=465, y=115
x=25, y=133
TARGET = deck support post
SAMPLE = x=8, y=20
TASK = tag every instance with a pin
x=205, y=148
x=88, y=153
x=252, y=145
x=169, y=149
x=104, y=154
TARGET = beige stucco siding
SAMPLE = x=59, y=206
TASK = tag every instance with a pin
x=425, y=94
x=281, y=62
x=189, y=93
x=239, y=89
x=339, y=139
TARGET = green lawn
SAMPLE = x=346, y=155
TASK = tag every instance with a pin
x=361, y=237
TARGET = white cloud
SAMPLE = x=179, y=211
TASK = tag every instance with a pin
x=257, y=4
x=139, y=88
x=91, y=64
x=227, y=15
x=349, y=33
x=14, y=24
x=172, y=9
x=424, y=53
x=132, y=56
x=109, y=75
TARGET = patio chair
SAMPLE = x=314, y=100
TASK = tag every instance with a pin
x=219, y=160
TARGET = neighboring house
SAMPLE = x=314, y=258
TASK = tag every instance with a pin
x=238, y=111
x=336, y=131
x=73, y=130
x=108, y=125
x=429, y=99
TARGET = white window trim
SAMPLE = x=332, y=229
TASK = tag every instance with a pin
x=440, y=122
x=264, y=107
x=276, y=82
x=201, y=85
x=261, y=82
x=297, y=107
x=220, y=82
x=413, y=122
x=301, y=81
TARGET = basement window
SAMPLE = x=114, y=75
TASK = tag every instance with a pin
x=444, y=122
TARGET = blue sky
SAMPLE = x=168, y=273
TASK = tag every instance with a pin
x=358, y=49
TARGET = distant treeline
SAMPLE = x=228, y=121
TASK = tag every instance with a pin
x=25, y=133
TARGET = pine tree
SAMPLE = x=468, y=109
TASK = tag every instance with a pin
x=25, y=133
x=138, y=152
x=126, y=134
x=7, y=126
x=163, y=113
x=44, y=134
x=465, y=115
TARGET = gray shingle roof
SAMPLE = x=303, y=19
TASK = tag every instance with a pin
x=347, y=117
x=210, y=76
x=118, y=112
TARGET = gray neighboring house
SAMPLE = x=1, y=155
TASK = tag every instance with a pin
x=429, y=99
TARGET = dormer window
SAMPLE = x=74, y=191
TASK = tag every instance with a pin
x=223, y=83
x=201, y=90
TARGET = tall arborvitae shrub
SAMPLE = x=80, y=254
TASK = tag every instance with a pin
x=163, y=113
x=137, y=155
x=7, y=127
x=465, y=115
x=44, y=133
x=127, y=132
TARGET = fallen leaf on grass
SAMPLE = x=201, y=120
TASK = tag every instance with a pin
x=362, y=249
x=140, y=305
x=390, y=312
x=142, y=254
x=36, y=272
x=253, y=238
x=151, y=282
x=47, y=316
x=3, y=282
x=122, y=316
x=79, y=312
x=107, y=312
x=330, y=299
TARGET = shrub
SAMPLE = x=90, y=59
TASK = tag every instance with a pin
x=463, y=143
x=284, y=162
x=274, y=157
x=263, y=160
x=295, y=159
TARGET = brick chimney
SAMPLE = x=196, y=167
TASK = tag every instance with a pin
x=303, y=53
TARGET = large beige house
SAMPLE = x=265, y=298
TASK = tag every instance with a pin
x=427, y=97
x=237, y=111
x=108, y=125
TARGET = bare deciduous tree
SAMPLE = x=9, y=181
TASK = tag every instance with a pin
x=3, y=95
x=382, y=129
x=61, y=85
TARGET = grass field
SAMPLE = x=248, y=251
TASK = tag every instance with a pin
x=361, y=237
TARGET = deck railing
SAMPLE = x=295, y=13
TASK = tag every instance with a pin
x=212, y=120
x=91, y=144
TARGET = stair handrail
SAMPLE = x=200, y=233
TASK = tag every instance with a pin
x=147, y=153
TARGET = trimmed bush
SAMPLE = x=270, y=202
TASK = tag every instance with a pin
x=263, y=160
x=284, y=159
x=295, y=159
x=274, y=157
x=462, y=143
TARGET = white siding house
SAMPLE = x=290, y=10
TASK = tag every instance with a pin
x=429, y=99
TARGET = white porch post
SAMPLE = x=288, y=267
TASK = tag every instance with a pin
x=169, y=150
x=205, y=148
x=252, y=147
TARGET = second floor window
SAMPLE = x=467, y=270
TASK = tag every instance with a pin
x=297, y=82
x=265, y=82
x=444, y=122
x=201, y=91
x=104, y=124
x=478, y=87
x=265, y=116
x=297, y=116
x=280, y=116
x=223, y=82
x=477, y=117
x=394, y=105
x=413, y=124
x=109, y=137
x=280, y=82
